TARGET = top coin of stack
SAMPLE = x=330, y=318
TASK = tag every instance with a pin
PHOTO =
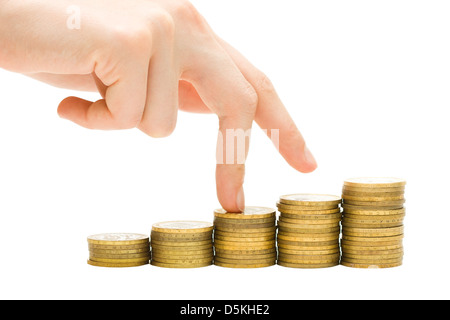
x=245, y=240
x=118, y=249
x=182, y=244
x=372, y=224
x=308, y=230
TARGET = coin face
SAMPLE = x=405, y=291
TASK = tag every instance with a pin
x=250, y=212
x=182, y=226
x=117, y=237
x=375, y=182
x=310, y=199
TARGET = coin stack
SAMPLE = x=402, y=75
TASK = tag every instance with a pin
x=245, y=240
x=118, y=250
x=372, y=223
x=182, y=244
x=308, y=230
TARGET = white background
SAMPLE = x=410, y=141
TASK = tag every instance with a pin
x=367, y=83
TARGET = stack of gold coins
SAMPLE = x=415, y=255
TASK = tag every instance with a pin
x=308, y=230
x=118, y=250
x=245, y=240
x=372, y=223
x=182, y=244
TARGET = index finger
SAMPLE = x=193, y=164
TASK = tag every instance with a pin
x=271, y=115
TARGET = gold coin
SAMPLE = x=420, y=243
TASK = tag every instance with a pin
x=296, y=231
x=372, y=239
x=248, y=247
x=256, y=244
x=116, y=265
x=361, y=203
x=245, y=261
x=181, y=248
x=308, y=252
x=118, y=239
x=373, y=219
x=299, y=247
x=111, y=260
x=346, y=247
x=310, y=221
x=367, y=207
x=305, y=226
x=307, y=257
x=373, y=232
x=347, y=224
x=180, y=236
x=244, y=234
x=187, y=260
x=306, y=200
x=271, y=228
x=359, y=260
x=358, y=251
x=371, y=265
x=373, y=190
x=180, y=265
x=308, y=261
x=373, y=212
x=307, y=266
x=226, y=221
x=386, y=199
x=242, y=226
x=248, y=256
x=250, y=266
x=181, y=243
x=94, y=255
x=308, y=210
x=165, y=252
x=119, y=247
x=386, y=256
x=220, y=251
x=250, y=212
x=184, y=226
x=373, y=243
x=308, y=243
x=375, y=182
x=310, y=237
x=120, y=251
x=241, y=239
x=363, y=193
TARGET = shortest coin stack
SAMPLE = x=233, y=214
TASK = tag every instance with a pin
x=372, y=223
x=308, y=230
x=182, y=244
x=245, y=240
x=118, y=250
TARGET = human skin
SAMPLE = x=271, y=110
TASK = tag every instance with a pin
x=148, y=59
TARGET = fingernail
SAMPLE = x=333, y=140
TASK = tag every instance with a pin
x=309, y=157
x=240, y=199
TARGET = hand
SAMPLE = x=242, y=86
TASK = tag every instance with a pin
x=148, y=59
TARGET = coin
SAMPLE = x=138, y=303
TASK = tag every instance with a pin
x=116, y=265
x=118, y=239
x=226, y=221
x=231, y=265
x=373, y=232
x=94, y=255
x=181, y=243
x=247, y=230
x=307, y=266
x=371, y=265
x=306, y=200
x=307, y=210
x=180, y=265
x=183, y=226
x=241, y=239
x=375, y=182
x=250, y=212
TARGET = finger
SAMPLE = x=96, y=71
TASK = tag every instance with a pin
x=121, y=108
x=222, y=87
x=189, y=99
x=160, y=114
x=271, y=115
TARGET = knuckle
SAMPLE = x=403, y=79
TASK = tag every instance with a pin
x=163, y=23
x=133, y=38
x=263, y=83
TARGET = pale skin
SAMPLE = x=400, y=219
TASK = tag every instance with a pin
x=148, y=59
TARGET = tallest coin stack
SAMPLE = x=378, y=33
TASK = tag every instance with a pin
x=372, y=223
